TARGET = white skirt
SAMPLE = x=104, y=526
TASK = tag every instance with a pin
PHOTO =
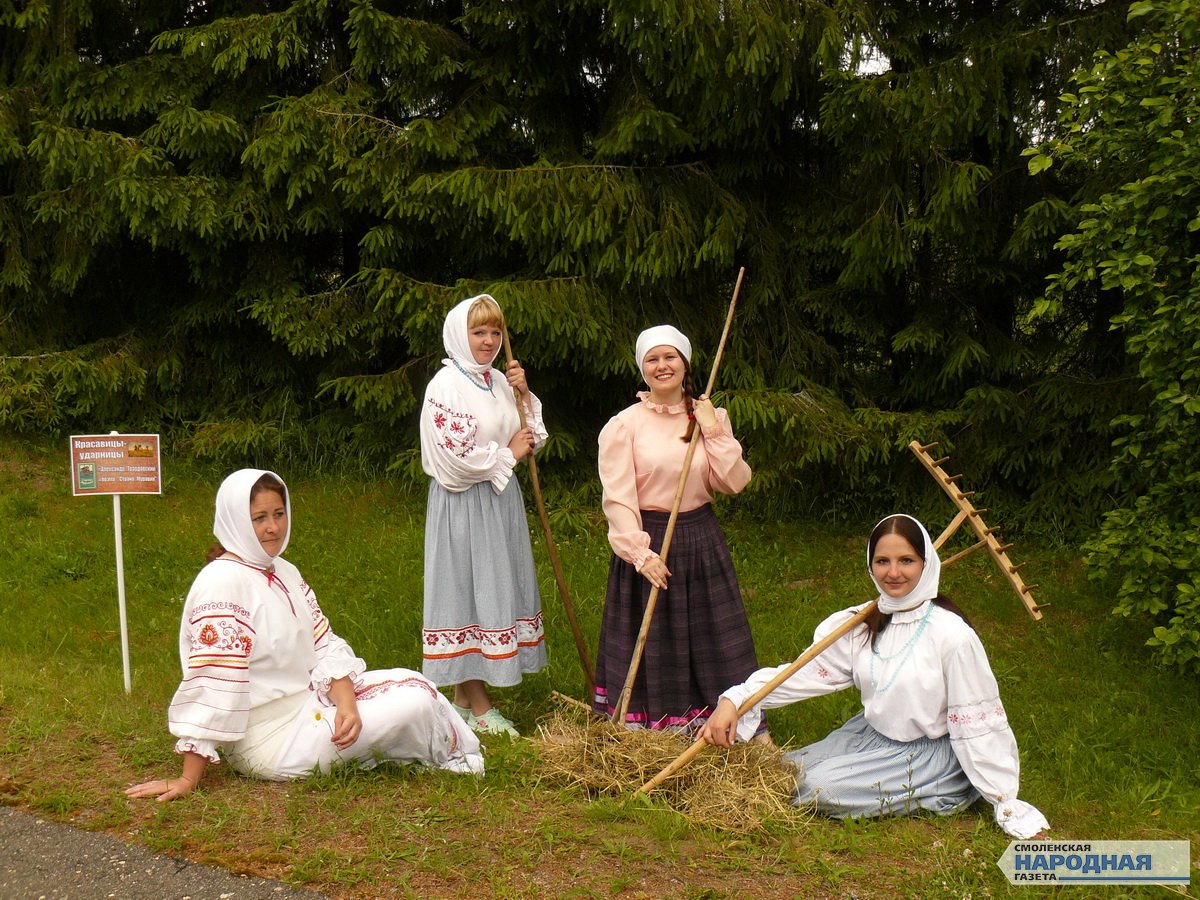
x=405, y=719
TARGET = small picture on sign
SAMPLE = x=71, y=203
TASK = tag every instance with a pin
x=140, y=450
x=87, y=476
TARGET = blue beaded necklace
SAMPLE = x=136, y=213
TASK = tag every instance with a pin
x=487, y=378
x=906, y=651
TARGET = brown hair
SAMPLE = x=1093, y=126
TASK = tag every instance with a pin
x=689, y=392
x=907, y=529
x=266, y=482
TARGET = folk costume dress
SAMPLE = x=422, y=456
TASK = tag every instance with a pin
x=258, y=659
x=483, y=612
x=699, y=640
x=933, y=734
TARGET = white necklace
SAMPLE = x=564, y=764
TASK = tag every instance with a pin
x=906, y=652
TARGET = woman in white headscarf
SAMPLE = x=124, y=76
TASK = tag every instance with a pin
x=483, y=612
x=268, y=685
x=699, y=639
x=933, y=734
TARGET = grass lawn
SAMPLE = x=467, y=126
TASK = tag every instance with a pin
x=1109, y=743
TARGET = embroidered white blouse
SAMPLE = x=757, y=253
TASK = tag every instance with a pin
x=465, y=429
x=640, y=458
x=928, y=676
x=249, y=637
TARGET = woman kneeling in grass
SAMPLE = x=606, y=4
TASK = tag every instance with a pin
x=268, y=683
x=933, y=734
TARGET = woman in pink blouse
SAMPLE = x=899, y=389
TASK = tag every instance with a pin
x=699, y=640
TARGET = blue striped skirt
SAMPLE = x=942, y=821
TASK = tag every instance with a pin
x=857, y=772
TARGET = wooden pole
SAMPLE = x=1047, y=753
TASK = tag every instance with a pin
x=585, y=661
x=635, y=662
x=757, y=697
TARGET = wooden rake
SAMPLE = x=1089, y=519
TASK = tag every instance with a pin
x=986, y=537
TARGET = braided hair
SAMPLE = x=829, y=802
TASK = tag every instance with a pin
x=689, y=392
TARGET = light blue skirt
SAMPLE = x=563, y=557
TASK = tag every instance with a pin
x=856, y=772
x=483, y=612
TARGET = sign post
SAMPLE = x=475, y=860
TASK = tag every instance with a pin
x=116, y=464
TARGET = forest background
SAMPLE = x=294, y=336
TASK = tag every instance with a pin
x=240, y=224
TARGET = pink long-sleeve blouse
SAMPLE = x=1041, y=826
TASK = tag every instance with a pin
x=641, y=456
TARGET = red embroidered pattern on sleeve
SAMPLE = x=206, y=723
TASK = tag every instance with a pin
x=971, y=720
x=320, y=623
x=455, y=430
x=220, y=635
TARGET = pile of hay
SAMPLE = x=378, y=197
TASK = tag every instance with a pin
x=736, y=789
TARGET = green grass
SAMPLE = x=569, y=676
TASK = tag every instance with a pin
x=1109, y=743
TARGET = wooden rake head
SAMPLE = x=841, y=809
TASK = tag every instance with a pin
x=985, y=536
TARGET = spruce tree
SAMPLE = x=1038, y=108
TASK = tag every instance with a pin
x=242, y=223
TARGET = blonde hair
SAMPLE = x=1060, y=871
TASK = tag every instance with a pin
x=485, y=311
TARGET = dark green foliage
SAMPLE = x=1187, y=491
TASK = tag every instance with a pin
x=241, y=224
x=1129, y=126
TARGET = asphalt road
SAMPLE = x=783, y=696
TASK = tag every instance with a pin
x=42, y=859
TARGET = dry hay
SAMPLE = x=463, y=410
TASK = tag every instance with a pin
x=737, y=789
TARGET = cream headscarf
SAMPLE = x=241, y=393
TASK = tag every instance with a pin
x=454, y=337
x=232, y=525
x=661, y=336
x=927, y=584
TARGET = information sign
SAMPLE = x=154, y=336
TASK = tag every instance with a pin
x=115, y=464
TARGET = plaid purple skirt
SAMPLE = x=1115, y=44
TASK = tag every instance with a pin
x=699, y=643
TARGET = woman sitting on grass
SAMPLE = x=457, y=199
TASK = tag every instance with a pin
x=267, y=682
x=933, y=734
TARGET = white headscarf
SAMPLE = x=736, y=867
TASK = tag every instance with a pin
x=455, y=331
x=232, y=525
x=661, y=336
x=927, y=584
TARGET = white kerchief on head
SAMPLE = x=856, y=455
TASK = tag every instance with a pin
x=927, y=584
x=232, y=525
x=454, y=337
x=662, y=336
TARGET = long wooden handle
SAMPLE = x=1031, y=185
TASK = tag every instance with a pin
x=585, y=660
x=757, y=697
x=635, y=662
x=712, y=375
